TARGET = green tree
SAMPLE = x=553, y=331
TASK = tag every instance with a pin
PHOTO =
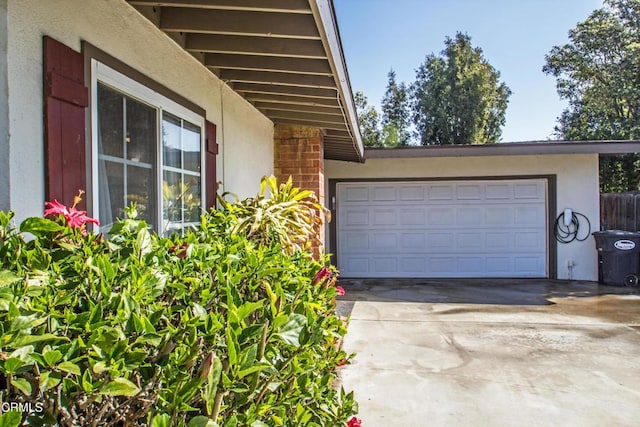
x=368, y=120
x=598, y=73
x=396, y=113
x=457, y=96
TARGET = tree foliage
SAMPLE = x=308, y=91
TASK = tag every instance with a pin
x=598, y=73
x=457, y=96
x=368, y=120
x=396, y=112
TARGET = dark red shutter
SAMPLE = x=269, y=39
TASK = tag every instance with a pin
x=210, y=163
x=65, y=100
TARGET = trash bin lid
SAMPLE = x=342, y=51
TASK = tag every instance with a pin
x=616, y=233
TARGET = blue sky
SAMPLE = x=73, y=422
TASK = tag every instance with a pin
x=515, y=35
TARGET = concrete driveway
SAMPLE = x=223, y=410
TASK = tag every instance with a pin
x=493, y=353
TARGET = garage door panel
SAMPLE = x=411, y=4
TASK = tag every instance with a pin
x=469, y=241
x=469, y=192
x=530, y=190
x=451, y=229
x=385, y=241
x=412, y=193
x=356, y=217
x=440, y=192
x=355, y=194
x=355, y=241
x=413, y=265
x=413, y=216
x=413, y=242
x=385, y=265
x=498, y=241
x=469, y=216
x=384, y=217
x=384, y=194
x=441, y=216
x=498, y=191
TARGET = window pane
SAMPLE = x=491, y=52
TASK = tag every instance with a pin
x=140, y=189
x=111, y=183
x=192, y=200
x=171, y=146
x=191, y=147
x=141, y=132
x=172, y=193
x=110, y=122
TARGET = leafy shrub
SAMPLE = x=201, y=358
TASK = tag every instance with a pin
x=230, y=325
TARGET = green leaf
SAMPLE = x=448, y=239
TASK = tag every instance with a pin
x=162, y=420
x=48, y=380
x=232, y=352
x=87, y=384
x=30, y=339
x=144, y=242
x=51, y=357
x=211, y=388
x=202, y=421
x=120, y=387
x=10, y=419
x=290, y=331
x=249, y=307
x=12, y=364
x=69, y=367
x=259, y=423
x=8, y=277
x=23, y=385
x=40, y=226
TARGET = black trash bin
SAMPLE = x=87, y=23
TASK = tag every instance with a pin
x=618, y=257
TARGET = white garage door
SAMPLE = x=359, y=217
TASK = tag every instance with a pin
x=493, y=228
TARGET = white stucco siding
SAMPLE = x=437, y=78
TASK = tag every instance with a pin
x=577, y=188
x=119, y=30
x=4, y=112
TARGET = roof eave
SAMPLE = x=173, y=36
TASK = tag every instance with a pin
x=326, y=21
x=509, y=149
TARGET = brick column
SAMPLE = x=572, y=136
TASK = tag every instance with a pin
x=299, y=153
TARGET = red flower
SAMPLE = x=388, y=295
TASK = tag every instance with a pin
x=354, y=422
x=74, y=217
x=321, y=275
x=340, y=290
x=179, y=250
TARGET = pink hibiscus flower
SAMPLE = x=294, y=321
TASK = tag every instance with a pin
x=74, y=217
x=354, y=422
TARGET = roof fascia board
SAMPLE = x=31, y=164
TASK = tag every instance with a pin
x=508, y=149
x=327, y=26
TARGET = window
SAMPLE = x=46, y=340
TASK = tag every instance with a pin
x=147, y=151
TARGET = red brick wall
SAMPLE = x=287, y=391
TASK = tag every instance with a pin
x=299, y=153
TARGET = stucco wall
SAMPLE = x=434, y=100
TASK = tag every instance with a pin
x=577, y=188
x=4, y=111
x=116, y=28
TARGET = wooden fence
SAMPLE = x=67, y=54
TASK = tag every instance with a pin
x=620, y=211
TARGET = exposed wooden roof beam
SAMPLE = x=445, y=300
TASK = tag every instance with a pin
x=281, y=6
x=285, y=90
x=268, y=63
x=311, y=117
x=334, y=126
x=303, y=80
x=332, y=134
x=300, y=100
x=239, y=22
x=297, y=107
x=247, y=45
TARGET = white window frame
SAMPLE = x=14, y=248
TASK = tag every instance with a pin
x=101, y=73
